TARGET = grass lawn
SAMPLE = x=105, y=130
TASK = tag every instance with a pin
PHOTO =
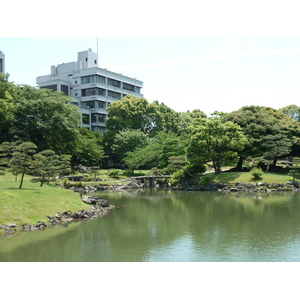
x=32, y=203
x=244, y=177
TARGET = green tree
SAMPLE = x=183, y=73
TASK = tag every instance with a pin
x=258, y=122
x=129, y=113
x=8, y=96
x=277, y=146
x=45, y=165
x=22, y=160
x=148, y=156
x=47, y=119
x=128, y=140
x=295, y=169
x=186, y=119
x=293, y=111
x=133, y=113
x=156, y=152
x=161, y=118
x=215, y=140
x=64, y=165
x=88, y=150
x=6, y=152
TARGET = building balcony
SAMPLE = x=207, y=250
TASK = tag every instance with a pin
x=99, y=124
x=93, y=98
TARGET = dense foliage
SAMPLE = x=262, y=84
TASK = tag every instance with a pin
x=39, y=130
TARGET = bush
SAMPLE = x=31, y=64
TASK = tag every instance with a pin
x=68, y=184
x=257, y=173
x=114, y=173
x=177, y=177
x=182, y=175
x=195, y=169
x=207, y=179
x=295, y=173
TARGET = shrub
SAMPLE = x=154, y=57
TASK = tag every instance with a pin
x=295, y=173
x=195, y=169
x=68, y=184
x=177, y=177
x=257, y=173
x=114, y=173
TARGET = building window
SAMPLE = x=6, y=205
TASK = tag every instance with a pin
x=92, y=79
x=99, y=129
x=89, y=104
x=64, y=89
x=102, y=104
x=113, y=82
x=93, y=92
x=98, y=118
x=114, y=95
x=85, y=119
x=128, y=87
x=50, y=87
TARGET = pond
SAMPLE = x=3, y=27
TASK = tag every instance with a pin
x=172, y=226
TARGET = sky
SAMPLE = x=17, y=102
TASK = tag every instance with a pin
x=185, y=73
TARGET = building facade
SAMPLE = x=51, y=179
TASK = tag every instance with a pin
x=91, y=88
x=2, y=62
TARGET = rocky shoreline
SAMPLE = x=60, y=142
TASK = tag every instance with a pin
x=99, y=208
x=260, y=187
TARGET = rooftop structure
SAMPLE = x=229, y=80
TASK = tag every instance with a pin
x=92, y=88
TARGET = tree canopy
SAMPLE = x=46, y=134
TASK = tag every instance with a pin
x=257, y=122
x=215, y=140
x=47, y=119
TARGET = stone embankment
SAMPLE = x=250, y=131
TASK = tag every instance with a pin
x=260, y=187
x=99, y=208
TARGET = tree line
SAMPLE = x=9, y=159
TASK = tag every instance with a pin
x=144, y=135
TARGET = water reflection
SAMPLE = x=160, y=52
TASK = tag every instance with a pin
x=179, y=226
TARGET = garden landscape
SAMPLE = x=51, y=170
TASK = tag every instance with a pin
x=152, y=171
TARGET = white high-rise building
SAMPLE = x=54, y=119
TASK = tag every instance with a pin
x=2, y=62
x=91, y=88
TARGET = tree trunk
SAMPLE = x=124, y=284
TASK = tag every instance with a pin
x=217, y=165
x=21, y=183
x=189, y=173
x=239, y=165
x=42, y=181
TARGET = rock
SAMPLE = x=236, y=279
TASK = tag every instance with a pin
x=4, y=227
x=41, y=225
x=250, y=185
x=12, y=225
x=53, y=220
x=130, y=185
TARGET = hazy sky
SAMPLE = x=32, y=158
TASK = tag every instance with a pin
x=185, y=73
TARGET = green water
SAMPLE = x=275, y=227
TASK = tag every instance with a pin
x=162, y=226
